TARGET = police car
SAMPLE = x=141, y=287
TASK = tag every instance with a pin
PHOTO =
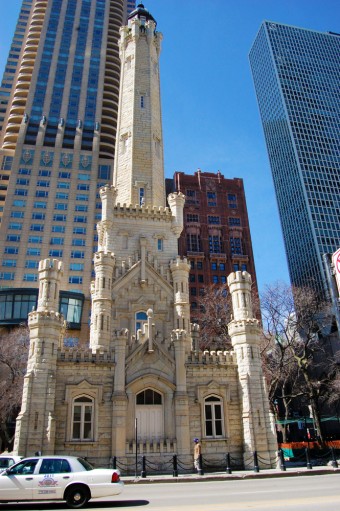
x=68, y=478
x=6, y=460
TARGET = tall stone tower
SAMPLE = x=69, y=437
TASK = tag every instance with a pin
x=244, y=330
x=141, y=288
x=35, y=429
x=138, y=169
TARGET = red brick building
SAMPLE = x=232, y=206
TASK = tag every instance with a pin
x=216, y=235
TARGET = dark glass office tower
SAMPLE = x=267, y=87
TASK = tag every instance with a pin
x=60, y=91
x=297, y=80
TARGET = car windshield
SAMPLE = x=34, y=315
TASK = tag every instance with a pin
x=85, y=464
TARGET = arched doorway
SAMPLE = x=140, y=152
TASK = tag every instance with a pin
x=149, y=415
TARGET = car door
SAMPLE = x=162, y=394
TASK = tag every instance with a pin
x=16, y=483
x=53, y=476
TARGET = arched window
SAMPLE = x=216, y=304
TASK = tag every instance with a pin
x=141, y=319
x=149, y=397
x=213, y=417
x=82, y=419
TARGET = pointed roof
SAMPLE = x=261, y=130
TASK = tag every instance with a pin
x=139, y=12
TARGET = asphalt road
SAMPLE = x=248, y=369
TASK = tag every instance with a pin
x=302, y=493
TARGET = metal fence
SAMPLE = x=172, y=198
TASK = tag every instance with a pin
x=143, y=466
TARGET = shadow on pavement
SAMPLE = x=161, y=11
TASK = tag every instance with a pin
x=95, y=504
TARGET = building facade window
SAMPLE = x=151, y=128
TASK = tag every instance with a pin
x=214, y=220
x=234, y=221
x=71, y=307
x=236, y=246
x=193, y=243
x=192, y=218
x=15, y=306
x=212, y=201
x=215, y=244
x=213, y=417
x=82, y=418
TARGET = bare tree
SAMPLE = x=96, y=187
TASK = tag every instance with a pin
x=13, y=361
x=213, y=315
x=298, y=362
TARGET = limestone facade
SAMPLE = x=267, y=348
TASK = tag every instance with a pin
x=142, y=384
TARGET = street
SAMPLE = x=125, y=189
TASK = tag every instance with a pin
x=300, y=493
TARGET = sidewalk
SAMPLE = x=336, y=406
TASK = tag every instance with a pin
x=222, y=476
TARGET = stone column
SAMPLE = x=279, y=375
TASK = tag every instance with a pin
x=181, y=397
x=119, y=399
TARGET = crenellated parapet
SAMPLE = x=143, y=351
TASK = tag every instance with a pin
x=45, y=316
x=86, y=356
x=155, y=213
x=251, y=327
x=205, y=358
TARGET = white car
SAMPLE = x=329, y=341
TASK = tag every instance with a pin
x=66, y=478
x=6, y=460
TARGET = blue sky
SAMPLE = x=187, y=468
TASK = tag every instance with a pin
x=210, y=114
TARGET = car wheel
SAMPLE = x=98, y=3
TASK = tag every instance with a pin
x=77, y=497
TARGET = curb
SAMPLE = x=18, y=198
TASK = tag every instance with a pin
x=227, y=477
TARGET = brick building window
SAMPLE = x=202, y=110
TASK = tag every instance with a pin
x=236, y=246
x=192, y=218
x=215, y=244
x=211, y=196
x=214, y=220
x=234, y=220
x=193, y=243
x=232, y=201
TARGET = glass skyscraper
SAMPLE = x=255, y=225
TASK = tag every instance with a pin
x=58, y=116
x=297, y=80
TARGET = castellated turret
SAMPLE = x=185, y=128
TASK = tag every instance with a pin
x=180, y=269
x=176, y=202
x=36, y=420
x=244, y=330
x=100, y=331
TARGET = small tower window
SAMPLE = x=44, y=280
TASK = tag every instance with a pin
x=141, y=197
x=160, y=244
x=142, y=102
